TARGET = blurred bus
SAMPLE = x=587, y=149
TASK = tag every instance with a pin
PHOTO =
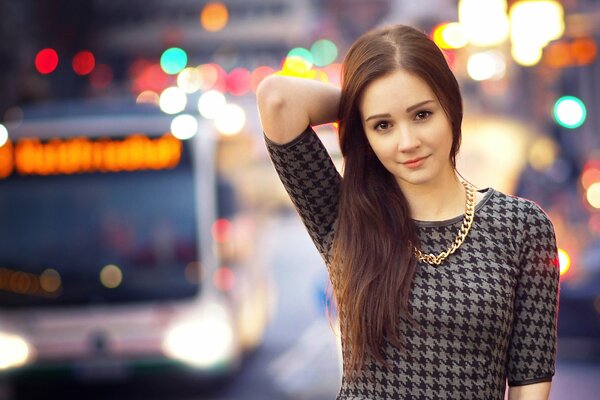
x=123, y=251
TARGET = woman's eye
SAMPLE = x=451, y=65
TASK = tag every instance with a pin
x=382, y=126
x=422, y=115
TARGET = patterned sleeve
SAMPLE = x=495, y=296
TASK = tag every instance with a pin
x=532, y=349
x=312, y=181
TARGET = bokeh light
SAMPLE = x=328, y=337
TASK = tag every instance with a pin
x=50, y=280
x=111, y=276
x=172, y=100
x=224, y=278
x=526, y=56
x=230, y=120
x=184, y=126
x=542, y=153
x=302, y=53
x=259, y=74
x=189, y=80
x=213, y=77
x=485, y=23
x=84, y=62
x=238, y=81
x=211, y=103
x=591, y=173
x=148, y=97
x=101, y=77
x=592, y=195
x=564, y=261
x=173, y=60
x=214, y=16
x=450, y=35
x=570, y=112
x=3, y=135
x=222, y=230
x=486, y=65
x=535, y=23
x=323, y=52
x=46, y=61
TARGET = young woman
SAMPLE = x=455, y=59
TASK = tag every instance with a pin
x=444, y=291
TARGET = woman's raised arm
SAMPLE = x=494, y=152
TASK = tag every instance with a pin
x=287, y=105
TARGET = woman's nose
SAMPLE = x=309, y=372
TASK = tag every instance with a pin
x=407, y=140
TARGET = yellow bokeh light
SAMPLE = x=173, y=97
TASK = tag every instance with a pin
x=111, y=276
x=535, y=23
x=542, y=153
x=214, y=16
x=450, y=35
x=296, y=66
x=564, y=261
x=485, y=22
x=593, y=195
x=526, y=56
x=50, y=280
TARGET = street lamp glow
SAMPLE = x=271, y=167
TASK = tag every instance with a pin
x=172, y=100
x=485, y=21
x=211, y=103
x=570, y=112
x=184, y=126
x=231, y=119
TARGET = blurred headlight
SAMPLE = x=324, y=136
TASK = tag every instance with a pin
x=205, y=341
x=14, y=351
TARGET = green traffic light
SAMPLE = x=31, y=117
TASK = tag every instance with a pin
x=570, y=112
x=173, y=60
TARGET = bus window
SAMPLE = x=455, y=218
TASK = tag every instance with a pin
x=100, y=237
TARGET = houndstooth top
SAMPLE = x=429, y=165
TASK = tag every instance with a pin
x=487, y=314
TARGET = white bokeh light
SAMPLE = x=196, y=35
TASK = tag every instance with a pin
x=172, y=100
x=211, y=103
x=486, y=65
x=184, y=126
x=3, y=135
x=230, y=120
x=189, y=80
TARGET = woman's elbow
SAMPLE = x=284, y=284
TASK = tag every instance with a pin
x=269, y=95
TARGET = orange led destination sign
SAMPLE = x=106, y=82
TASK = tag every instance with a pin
x=83, y=155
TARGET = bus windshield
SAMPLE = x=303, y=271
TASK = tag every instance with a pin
x=98, y=237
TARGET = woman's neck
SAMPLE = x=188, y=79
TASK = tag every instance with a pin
x=438, y=201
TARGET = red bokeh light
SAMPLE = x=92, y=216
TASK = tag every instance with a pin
x=84, y=62
x=238, y=81
x=46, y=61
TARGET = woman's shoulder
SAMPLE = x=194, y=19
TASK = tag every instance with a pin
x=521, y=208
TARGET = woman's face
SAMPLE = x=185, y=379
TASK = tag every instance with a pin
x=404, y=121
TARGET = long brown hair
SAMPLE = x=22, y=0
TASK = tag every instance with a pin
x=373, y=264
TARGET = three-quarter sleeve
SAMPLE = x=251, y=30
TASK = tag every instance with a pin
x=312, y=182
x=532, y=348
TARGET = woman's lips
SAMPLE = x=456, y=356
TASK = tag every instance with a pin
x=415, y=163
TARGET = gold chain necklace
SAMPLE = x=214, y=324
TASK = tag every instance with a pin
x=462, y=234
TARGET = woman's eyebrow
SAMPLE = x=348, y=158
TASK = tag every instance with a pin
x=409, y=109
x=422, y=103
